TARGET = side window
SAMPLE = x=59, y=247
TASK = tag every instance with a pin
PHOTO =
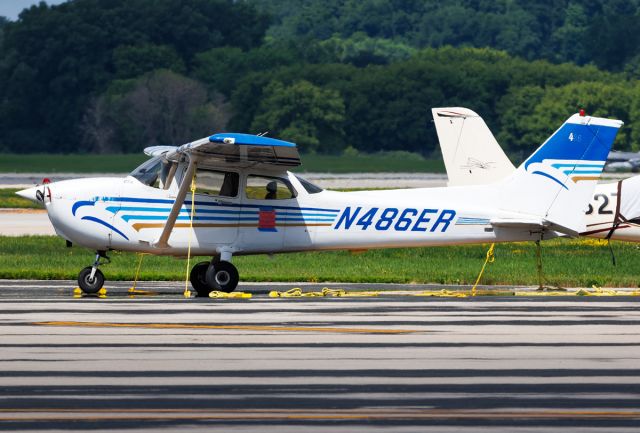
x=218, y=183
x=268, y=188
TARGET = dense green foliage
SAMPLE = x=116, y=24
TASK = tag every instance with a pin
x=119, y=75
x=567, y=263
x=55, y=59
x=605, y=32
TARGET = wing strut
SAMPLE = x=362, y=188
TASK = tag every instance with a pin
x=162, y=241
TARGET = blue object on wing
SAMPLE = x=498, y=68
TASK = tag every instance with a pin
x=248, y=139
x=244, y=150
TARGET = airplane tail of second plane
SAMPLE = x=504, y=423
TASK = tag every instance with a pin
x=471, y=154
x=557, y=181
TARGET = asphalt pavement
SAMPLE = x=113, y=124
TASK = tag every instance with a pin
x=159, y=361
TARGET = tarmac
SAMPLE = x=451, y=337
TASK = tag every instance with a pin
x=157, y=361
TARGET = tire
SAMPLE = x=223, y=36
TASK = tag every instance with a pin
x=90, y=286
x=222, y=276
x=198, y=278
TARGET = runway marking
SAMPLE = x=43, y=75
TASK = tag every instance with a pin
x=229, y=327
x=299, y=414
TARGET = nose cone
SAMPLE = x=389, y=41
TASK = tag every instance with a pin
x=32, y=194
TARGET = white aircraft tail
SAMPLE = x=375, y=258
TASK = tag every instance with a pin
x=471, y=154
x=557, y=181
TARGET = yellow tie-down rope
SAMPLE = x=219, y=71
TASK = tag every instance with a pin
x=133, y=290
x=341, y=293
x=187, y=292
x=233, y=295
x=297, y=292
x=490, y=259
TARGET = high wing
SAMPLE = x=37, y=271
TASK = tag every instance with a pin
x=239, y=150
x=224, y=149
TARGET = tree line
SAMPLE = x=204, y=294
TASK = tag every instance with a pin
x=120, y=75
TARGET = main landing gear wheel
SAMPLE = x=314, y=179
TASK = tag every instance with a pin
x=222, y=276
x=199, y=280
x=88, y=284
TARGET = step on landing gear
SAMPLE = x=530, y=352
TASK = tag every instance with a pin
x=219, y=275
x=91, y=279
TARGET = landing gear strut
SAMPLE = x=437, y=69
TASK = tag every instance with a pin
x=218, y=275
x=91, y=279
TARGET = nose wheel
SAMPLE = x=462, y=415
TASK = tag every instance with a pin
x=91, y=279
x=90, y=284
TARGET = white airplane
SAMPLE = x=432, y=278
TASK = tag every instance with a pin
x=244, y=201
x=472, y=156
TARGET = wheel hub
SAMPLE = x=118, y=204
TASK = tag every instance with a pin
x=222, y=277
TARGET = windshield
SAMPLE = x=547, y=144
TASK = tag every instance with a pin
x=310, y=187
x=151, y=172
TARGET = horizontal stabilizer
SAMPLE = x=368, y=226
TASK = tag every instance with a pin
x=533, y=225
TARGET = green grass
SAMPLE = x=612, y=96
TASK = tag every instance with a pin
x=371, y=163
x=566, y=263
x=9, y=199
x=54, y=163
x=380, y=162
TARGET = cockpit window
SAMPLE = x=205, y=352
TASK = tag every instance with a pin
x=152, y=172
x=310, y=187
x=219, y=183
x=268, y=188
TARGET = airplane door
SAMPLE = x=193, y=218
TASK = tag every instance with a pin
x=217, y=207
x=266, y=200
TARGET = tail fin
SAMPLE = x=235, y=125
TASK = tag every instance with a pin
x=471, y=154
x=557, y=181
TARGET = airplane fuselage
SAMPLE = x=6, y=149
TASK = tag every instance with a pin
x=124, y=214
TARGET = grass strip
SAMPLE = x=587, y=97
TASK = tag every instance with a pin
x=9, y=199
x=567, y=263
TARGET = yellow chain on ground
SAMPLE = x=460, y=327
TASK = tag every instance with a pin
x=232, y=295
x=490, y=259
x=544, y=293
x=296, y=292
x=187, y=292
x=444, y=293
x=598, y=291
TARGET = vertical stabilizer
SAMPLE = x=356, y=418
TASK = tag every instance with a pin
x=471, y=154
x=558, y=180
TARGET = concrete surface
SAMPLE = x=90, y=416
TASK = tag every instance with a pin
x=393, y=364
x=20, y=222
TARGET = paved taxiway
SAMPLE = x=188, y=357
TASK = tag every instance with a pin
x=388, y=363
